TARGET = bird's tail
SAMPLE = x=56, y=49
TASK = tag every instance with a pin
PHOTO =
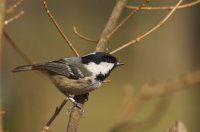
x=27, y=67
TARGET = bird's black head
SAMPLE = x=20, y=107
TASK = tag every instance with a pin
x=98, y=57
x=100, y=64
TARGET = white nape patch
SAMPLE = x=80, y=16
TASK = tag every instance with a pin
x=89, y=54
x=102, y=68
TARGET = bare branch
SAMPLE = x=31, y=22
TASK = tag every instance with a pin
x=76, y=114
x=2, y=8
x=165, y=7
x=59, y=29
x=82, y=36
x=152, y=120
x=148, y=32
x=16, y=17
x=74, y=120
x=103, y=41
x=1, y=116
x=13, y=7
x=17, y=49
x=106, y=81
x=148, y=92
x=127, y=18
x=178, y=127
x=57, y=111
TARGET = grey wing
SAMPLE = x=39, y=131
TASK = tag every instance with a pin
x=62, y=67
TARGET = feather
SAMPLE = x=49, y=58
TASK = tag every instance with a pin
x=27, y=68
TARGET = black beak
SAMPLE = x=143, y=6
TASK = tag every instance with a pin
x=119, y=63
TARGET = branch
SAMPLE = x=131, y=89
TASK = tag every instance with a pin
x=17, y=49
x=165, y=7
x=74, y=120
x=152, y=120
x=57, y=111
x=178, y=127
x=117, y=10
x=76, y=114
x=59, y=29
x=127, y=18
x=13, y=7
x=2, y=7
x=148, y=32
x=16, y=17
x=148, y=92
x=106, y=81
x=82, y=36
x=29, y=61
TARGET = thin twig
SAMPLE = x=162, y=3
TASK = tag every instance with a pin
x=127, y=18
x=111, y=24
x=148, y=32
x=17, y=49
x=16, y=17
x=165, y=7
x=82, y=36
x=57, y=111
x=106, y=81
x=13, y=7
x=59, y=29
x=148, y=92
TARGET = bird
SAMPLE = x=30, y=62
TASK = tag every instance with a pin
x=76, y=75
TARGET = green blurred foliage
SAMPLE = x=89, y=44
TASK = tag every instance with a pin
x=30, y=98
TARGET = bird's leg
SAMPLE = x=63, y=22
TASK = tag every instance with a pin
x=76, y=104
x=78, y=100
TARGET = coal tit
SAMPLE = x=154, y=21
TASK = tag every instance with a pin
x=77, y=75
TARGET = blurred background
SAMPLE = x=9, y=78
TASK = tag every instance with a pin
x=173, y=50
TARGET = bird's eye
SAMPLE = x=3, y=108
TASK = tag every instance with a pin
x=109, y=60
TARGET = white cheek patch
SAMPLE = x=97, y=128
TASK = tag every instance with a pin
x=102, y=68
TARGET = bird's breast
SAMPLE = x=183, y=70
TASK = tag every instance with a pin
x=75, y=87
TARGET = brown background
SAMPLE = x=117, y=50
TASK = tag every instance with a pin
x=29, y=98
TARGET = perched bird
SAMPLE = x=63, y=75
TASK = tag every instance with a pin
x=77, y=75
